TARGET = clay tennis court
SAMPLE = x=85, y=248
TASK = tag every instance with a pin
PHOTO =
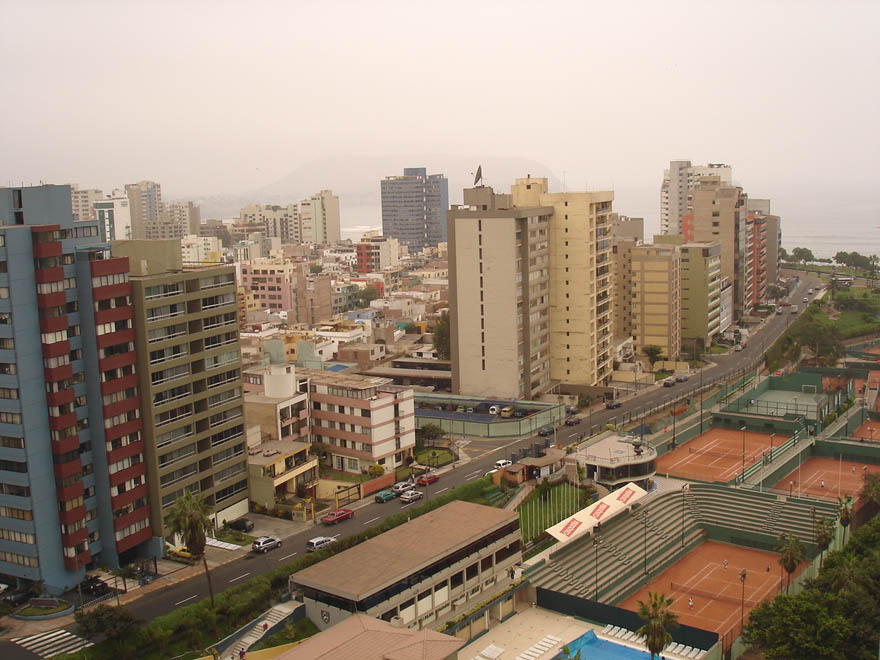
x=870, y=430
x=814, y=471
x=716, y=591
x=723, y=458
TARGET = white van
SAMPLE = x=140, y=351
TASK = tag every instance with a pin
x=503, y=463
x=494, y=410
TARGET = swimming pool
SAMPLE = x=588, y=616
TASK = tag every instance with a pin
x=594, y=648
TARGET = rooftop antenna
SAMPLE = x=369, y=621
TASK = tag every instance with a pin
x=478, y=177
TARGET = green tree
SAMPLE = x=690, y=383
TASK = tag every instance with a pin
x=653, y=353
x=844, y=514
x=441, y=336
x=189, y=518
x=842, y=258
x=802, y=255
x=568, y=655
x=791, y=553
x=871, y=489
x=366, y=295
x=114, y=622
x=658, y=620
x=411, y=329
x=315, y=269
x=430, y=433
x=783, y=254
x=544, y=489
x=824, y=536
x=776, y=292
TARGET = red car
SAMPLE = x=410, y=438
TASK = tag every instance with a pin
x=337, y=515
x=425, y=479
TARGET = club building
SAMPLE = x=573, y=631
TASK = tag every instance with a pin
x=424, y=571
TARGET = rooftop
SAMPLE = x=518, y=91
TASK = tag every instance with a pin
x=349, y=380
x=276, y=450
x=382, y=560
x=361, y=637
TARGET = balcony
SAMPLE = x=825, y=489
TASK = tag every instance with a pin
x=113, y=315
x=55, y=324
x=119, y=384
x=57, y=299
x=64, y=470
x=53, y=274
x=120, y=430
x=114, y=266
x=82, y=559
x=134, y=539
x=43, y=250
x=128, y=496
x=68, y=444
x=62, y=422
x=114, y=338
x=127, y=451
x=70, y=517
x=56, y=349
x=55, y=374
x=75, y=538
x=70, y=492
x=111, y=291
x=131, y=518
x=60, y=398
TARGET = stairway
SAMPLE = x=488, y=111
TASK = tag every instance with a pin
x=770, y=523
x=270, y=617
x=693, y=506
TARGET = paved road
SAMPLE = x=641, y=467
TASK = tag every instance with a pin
x=483, y=455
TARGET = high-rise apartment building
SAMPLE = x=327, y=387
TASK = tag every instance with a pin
x=700, y=292
x=81, y=201
x=195, y=249
x=72, y=482
x=319, y=218
x=656, y=298
x=276, y=221
x=175, y=220
x=717, y=212
x=499, y=288
x=621, y=293
x=625, y=228
x=145, y=203
x=414, y=208
x=189, y=373
x=678, y=180
x=579, y=280
x=272, y=282
x=314, y=296
x=375, y=253
x=113, y=215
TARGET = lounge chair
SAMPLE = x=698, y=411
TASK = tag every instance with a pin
x=605, y=630
x=557, y=639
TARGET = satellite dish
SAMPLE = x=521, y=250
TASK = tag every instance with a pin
x=478, y=177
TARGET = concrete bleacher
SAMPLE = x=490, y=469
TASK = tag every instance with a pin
x=572, y=569
x=757, y=518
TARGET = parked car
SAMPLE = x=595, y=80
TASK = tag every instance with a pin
x=401, y=487
x=572, y=421
x=94, y=586
x=266, y=543
x=545, y=431
x=520, y=413
x=411, y=496
x=502, y=463
x=738, y=348
x=805, y=299
x=669, y=382
x=16, y=598
x=681, y=378
x=337, y=516
x=180, y=551
x=384, y=496
x=611, y=405
x=241, y=525
x=319, y=542
x=572, y=410
x=492, y=471
x=427, y=478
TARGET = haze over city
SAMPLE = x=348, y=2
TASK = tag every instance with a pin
x=219, y=99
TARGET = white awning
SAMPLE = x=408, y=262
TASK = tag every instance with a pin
x=584, y=520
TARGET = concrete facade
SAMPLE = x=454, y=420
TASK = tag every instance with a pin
x=319, y=218
x=113, y=215
x=579, y=280
x=72, y=491
x=700, y=291
x=81, y=201
x=678, y=179
x=414, y=208
x=189, y=369
x=277, y=221
x=145, y=203
x=272, y=283
x=499, y=290
x=656, y=298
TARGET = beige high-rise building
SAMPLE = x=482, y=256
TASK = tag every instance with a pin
x=276, y=221
x=718, y=212
x=580, y=280
x=678, y=180
x=145, y=204
x=319, y=218
x=499, y=288
x=656, y=298
x=81, y=201
x=621, y=292
x=700, y=291
x=189, y=376
x=626, y=228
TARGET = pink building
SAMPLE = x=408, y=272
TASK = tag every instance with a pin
x=272, y=283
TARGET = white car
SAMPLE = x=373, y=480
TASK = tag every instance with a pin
x=411, y=496
x=401, y=487
x=502, y=463
x=319, y=542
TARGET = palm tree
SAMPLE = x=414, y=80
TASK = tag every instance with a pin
x=791, y=553
x=189, y=518
x=844, y=514
x=824, y=536
x=871, y=489
x=567, y=654
x=658, y=620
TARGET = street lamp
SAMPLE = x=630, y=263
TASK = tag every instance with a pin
x=743, y=474
x=701, y=399
x=790, y=487
x=646, y=541
x=742, y=609
x=596, y=565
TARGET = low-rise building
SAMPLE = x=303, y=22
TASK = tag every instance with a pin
x=424, y=571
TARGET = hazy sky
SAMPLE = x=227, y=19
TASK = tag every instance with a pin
x=214, y=97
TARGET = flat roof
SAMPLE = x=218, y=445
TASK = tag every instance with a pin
x=349, y=380
x=283, y=447
x=383, y=560
x=361, y=637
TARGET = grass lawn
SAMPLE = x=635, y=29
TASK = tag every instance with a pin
x=432, y=456
x=536, y=515
x=234, y=536
x=42, y=611
x=339, y=475
x=660, y=375
x=292, y=632
x=715, y=349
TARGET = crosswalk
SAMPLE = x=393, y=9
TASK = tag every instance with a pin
x=52, y=643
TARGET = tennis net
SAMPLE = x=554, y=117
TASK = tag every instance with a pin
x=694, y=591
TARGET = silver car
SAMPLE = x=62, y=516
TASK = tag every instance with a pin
x=266, y=543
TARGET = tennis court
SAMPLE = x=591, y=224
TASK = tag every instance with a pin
x=716, y=455
x=827, y=478
x=717, y=592
x=870, y=430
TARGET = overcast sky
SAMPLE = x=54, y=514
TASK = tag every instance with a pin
x=214, y=97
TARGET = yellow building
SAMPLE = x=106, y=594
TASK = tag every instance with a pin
x=700, y=291
x=580, y=280
x=656, y=298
